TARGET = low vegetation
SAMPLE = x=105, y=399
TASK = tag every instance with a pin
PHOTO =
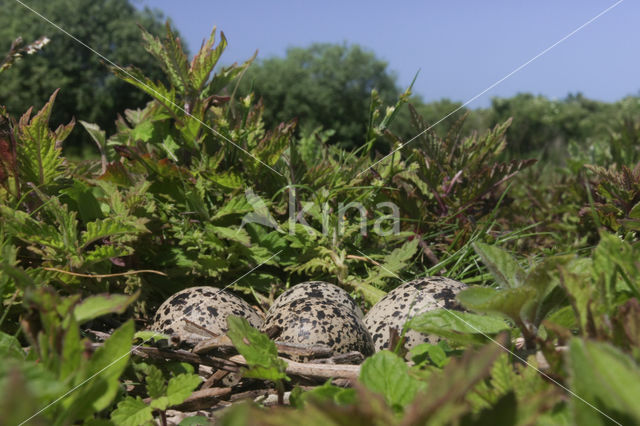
x=195, y=189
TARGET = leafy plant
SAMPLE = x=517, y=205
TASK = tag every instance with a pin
x=162, y=395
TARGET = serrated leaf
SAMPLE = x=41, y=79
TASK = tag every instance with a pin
x=171, y=56
x=143, y=131
x=436, y=354
x=236, y=205
x=181, y=387
x=259, y=351
x=203, y=63
x=393, y=263
x=387, y=374
x=503, y=267
x=156, y=386
x=325, y=393
x=102, y=304
x=607, y=382
x=38, y=150
x=108, y=227
x=463, y=327
x=157, y=90
x=106, y=252
x=231, y=233
x=510, y=302
x=24, y=227
x=132, y=412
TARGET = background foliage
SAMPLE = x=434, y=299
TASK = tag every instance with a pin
x=90, y=92
x=550, y=250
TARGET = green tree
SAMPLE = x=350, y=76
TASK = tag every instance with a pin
x=324, y=85
x=89, y=91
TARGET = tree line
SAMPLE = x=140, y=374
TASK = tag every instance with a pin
x=325, y=87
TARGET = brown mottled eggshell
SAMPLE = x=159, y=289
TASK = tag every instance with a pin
x=207, y=307
x=316, y=290
x=408, y=300
x=320, y=322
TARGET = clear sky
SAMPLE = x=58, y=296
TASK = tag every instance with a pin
x=461, y=47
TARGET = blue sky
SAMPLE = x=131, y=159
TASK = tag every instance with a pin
x=461, y=47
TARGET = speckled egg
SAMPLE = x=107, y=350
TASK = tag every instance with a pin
x=320, y=322
x=317, y=290
x=207, y=307
x=406, y=301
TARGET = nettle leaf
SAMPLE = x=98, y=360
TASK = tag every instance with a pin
x=394, y=262
x=157, y=90
x=203, y=63
x=156, y=386
x=387, y=374
x=132, y=412
x=102, y=253
x=463, y=327
x=39, y=151
x=231, y=233
x=181, y=387
x=604, y=378
x=510, y=302
x=24, y=227
x=238, y=205
x=503, y=267
x=259, y=351
x=108, y=227
x=436, y=354
x=102, y=304
x=171, y=57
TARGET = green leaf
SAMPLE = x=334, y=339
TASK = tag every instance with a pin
x=436, y=354
x=259, y=351
x=509, y=302
x=98, y=305
x=108, y=227
x=39, y=151
x=103, y=371
x=72, y=350
x=158, y=91
x=10, y=347
x=203, y=63
x=171, y=56
x=503, y=267
x=387, y=374
x=195, y=421
x=393, y=263
x=143, y=131
x=605, y=382
x=325, y=393
x=181, y=387
x=156, y=386
x=82, y=196
x=463, y=327
x=231, y=233
x=132, y=412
